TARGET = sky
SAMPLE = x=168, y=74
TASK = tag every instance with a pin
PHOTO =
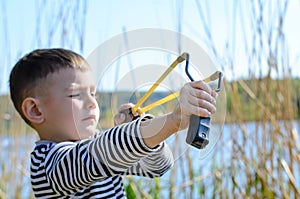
x=31, y=24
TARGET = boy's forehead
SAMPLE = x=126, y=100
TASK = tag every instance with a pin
x=72, y=77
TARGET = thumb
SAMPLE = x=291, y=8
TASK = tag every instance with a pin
x=119, y=118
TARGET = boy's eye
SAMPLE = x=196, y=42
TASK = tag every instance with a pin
x=74, y=95
x=93, y=94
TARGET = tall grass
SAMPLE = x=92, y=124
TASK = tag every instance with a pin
x=257, y=155
x=15, y=147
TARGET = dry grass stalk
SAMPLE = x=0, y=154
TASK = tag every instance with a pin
x=259, y=159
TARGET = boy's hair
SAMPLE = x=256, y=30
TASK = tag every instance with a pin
x=26, y=75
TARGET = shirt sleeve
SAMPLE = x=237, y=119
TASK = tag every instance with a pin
x=155, y=164
x=72, y=166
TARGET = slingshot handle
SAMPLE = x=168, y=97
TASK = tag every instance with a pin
x=198, y=132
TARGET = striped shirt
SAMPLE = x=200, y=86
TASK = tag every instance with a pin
x=93, y=168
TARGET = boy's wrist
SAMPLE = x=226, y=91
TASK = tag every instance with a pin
x=179, y=121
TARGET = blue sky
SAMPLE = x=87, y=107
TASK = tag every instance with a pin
x=21, y=20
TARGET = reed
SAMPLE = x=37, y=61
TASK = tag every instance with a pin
x=257, y=155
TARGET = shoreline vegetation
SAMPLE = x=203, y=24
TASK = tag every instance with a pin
x=257, y=160
x=246, y=101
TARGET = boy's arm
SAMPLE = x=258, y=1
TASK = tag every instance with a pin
x=70, y=167
x=155, y=164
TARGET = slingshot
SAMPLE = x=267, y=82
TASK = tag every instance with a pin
x=198, y=131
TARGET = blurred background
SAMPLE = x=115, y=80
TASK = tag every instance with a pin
x=255, y=43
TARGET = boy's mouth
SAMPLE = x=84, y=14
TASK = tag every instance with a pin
x=90, y=117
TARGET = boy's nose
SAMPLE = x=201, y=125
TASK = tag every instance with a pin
x=91, y=102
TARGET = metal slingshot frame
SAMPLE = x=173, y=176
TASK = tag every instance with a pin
x=198, y=131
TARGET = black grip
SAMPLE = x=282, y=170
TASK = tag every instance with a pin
x=198, y=132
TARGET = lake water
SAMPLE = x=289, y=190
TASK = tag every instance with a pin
x=15, y=151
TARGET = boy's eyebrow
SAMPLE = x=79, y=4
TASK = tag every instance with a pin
x=75, y=86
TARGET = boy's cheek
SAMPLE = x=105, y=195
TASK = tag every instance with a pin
x=98, y=114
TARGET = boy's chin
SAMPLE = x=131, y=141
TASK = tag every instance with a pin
x=89, y=133
x=85, y=132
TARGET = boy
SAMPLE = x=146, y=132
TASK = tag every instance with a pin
x=53, y=92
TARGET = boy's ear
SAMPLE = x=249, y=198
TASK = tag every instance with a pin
x=32, y=110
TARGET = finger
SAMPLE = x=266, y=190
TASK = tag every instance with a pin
x=214, y=94
x=125, y=106
x=202, y=103
x=201, y=94
x=199, y=111
x=202, y=112
x=201, y=85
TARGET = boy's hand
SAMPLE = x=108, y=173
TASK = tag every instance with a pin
x=124, y=115
x=195, y=98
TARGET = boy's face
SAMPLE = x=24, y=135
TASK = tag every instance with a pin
x=70, y=109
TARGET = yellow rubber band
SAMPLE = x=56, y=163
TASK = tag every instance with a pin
x=158, y=102
x=155, y=85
